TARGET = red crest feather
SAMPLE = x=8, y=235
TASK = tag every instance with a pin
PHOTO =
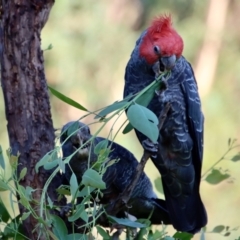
x=160, y=25
x=161, y=34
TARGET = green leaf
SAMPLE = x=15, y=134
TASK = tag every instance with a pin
x=183, y=235
x=46, y=158
x=25, y=215
x=227, y=234
x=92, y=178
x=50, y=202
x=103, y=233
x=236, y=158
x=141, y=233
x=128, y=128
x=28, y=193
x=218, y=229
x=73, y=128
x=50, y=165
x=4, y=214
x=63, y=190
x=79, y=213
x=59, y=227
x=146, y=97
x=2, y=163
x=126, y=222
x=156, y=234
x=144, y=120
x=112, y=162
x=61, y=165
x=229, y=142
x=66, y=99
x=3, y=186
x=111, y=108
x=23, y=200
x=101, y=145
x=216, y=177
x=23, y=173
x=73, y=185
x=86, y=191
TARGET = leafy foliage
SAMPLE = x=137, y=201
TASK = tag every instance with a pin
x=85, y=211
x=214, y=175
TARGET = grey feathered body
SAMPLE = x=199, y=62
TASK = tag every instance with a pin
x=117, y=176
x=180, y=143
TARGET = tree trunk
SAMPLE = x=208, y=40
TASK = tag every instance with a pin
x=27, y=106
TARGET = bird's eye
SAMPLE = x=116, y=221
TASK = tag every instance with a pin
x=156, y=49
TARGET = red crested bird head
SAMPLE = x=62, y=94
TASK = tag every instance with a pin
x=161, y=42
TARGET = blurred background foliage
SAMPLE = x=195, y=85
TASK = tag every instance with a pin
x=92, y=41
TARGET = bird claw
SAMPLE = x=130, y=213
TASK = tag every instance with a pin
x=163, y=87
x=150, y=147
x=156, y=69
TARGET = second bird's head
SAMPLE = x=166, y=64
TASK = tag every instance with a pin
x=75, y=137
x=161, y=44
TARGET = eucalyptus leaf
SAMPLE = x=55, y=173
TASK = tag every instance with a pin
x=146, y=97
x=50, y=165
x=183, y=235
x=28, y=192
x=103, y=233
x=218, y=228
x=73, y=128
x=227, y=234
x=4, y=214
x=92, y=178
x=126, y=222
x=128, y=128
x=3, y=186
x=73, y=185
x=50, y=202
x=86, y=191
x=59, y=227
x=2, y=163
x=111, y=108
x=216, y=177
x=144, y=120
x=25, y=215
x=101, y=145
x=46, y=158
x=23, y=173
x=236, y=158
x=78, y=213
x=66, y=99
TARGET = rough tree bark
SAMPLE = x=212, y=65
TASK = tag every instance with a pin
x=27, y=106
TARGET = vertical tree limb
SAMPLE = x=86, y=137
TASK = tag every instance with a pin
x=27, y=106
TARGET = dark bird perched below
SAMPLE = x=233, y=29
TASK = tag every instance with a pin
x=179, y=152
x=117, y=176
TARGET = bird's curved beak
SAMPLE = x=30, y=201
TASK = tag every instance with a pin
x=168, y=62
x=78, y=144
x=164, y=64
